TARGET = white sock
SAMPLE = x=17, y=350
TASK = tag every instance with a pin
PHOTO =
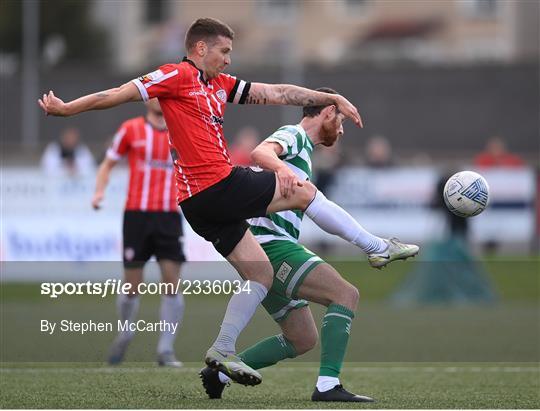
x=127, y=308
x=171, y=311
x=223, y=378
x=335, y=220
x=241, y=308
x=326, y=383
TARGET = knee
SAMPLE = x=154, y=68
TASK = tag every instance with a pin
x=133, y=289
x=264, y=277
x=354, y=297
x=348, y=297
x=260, y=272
x=261, y=278
x=306, y=195
x=306, y=342
x=267, y=282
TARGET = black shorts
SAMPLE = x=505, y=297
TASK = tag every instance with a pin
x=148, y=233
x=219, y=213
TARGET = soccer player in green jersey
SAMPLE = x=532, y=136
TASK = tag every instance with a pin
x=299, y=274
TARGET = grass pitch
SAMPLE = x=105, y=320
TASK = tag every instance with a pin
x=440, y=385
x=483, y=356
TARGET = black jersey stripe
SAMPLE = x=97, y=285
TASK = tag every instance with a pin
x=233, y=91
x=245, y=93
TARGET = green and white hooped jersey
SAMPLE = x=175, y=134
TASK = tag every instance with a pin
x=297, y=151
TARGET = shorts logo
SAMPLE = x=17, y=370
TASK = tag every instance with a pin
x=222, y=95
x=129, y=253
x=283, y=272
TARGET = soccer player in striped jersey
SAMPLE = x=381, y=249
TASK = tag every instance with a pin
x=152, y=224
x=299, y=274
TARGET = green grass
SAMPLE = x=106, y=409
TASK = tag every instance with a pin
x=469, y=356
x=484, y=385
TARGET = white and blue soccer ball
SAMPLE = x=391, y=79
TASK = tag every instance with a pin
x=466, y=194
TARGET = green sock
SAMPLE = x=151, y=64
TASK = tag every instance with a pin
x=268, y=352
x=335, y=331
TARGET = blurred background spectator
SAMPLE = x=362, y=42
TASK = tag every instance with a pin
x=378, y=153
x=68, y=156
x=244, y=142
x=497, y=155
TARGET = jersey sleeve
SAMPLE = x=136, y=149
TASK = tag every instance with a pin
x=237, y=90
x=162, y=82
x=120, y=144
x=288, y=140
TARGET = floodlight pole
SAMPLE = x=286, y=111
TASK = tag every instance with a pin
x=30, y=74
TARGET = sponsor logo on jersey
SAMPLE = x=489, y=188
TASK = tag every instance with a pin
x=217, y=120
x=213, y=119
x=197, y=93
x=222, y=95
x=154, y=75
x=283, y=272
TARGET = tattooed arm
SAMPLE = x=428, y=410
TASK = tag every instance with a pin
x=286, y=94
x=54, y=106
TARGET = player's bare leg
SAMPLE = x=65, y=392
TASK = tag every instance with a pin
x=325, y=286
x=298, y=198
x=127, y=306
x=171, y=312
x=300, y=329
x=252, y=264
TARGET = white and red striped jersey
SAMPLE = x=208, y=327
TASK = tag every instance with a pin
x=151, y=180
x=194, y=110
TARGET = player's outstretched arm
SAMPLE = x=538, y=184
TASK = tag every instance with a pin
x=265, y=155
x=54, y=106
x=102, y=179
x=287, y=94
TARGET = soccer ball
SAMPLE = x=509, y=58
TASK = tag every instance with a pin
x=466, y=194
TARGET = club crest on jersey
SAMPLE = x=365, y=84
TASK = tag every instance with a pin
x=151, y=76
x=222, y=95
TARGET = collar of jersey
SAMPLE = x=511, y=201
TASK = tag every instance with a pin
x=185, y=59
x=308, y=138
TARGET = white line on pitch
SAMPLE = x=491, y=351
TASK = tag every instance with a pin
x=134, y=370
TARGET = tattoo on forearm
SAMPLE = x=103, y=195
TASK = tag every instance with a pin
x=254, y=100
x=288, y=95
x=102, y=95
x=257, y=98
x=298, y=96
